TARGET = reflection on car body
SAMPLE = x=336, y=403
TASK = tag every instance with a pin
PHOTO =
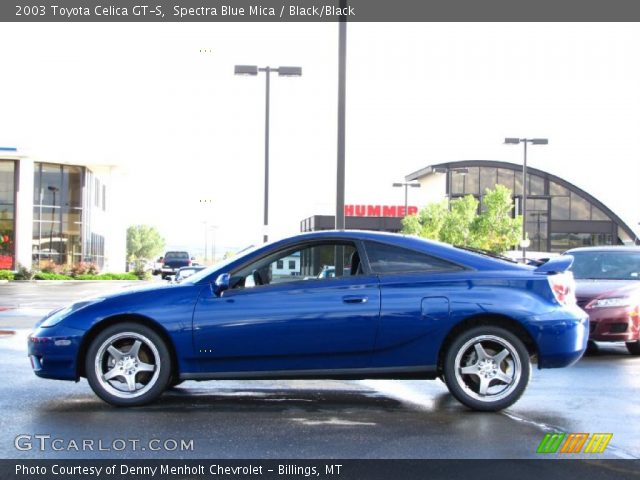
x=395, y=307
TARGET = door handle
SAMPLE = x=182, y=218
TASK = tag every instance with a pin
x=354, y=299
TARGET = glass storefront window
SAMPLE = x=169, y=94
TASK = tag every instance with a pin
x=556, y=189
x=7, y=214
x=561, y=242
x=518, y=183
x=457, y=182
x=597, y=214
x=472, y=181
x=536, y=185
x=580, y=208
x=57, y=214
x=488, y=178
x=505, y=177
x=560, y=208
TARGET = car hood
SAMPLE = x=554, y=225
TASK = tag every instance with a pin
x=589, y=289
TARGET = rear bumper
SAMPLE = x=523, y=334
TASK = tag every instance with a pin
x=561, y=336
x=619, y=324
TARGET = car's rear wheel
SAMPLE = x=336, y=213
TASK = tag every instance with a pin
x=487, y=368
x=634, y=347
x=128, y=364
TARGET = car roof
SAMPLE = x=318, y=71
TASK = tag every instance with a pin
x=605, y=248
x=429, y=247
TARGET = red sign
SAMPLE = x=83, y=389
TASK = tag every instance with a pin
x=378, y=211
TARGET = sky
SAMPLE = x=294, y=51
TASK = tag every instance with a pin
x=160, y=102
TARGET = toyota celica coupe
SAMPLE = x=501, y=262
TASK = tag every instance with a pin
x=395, y=307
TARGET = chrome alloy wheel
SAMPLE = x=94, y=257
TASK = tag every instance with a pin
x=127, y=365
x=488, y=368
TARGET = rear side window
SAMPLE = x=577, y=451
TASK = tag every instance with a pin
x=176, y=256
x=390, y=259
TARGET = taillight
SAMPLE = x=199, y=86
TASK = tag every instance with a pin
x=563, y=287
x=188, y=263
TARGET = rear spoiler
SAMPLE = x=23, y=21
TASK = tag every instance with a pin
x=557, y=264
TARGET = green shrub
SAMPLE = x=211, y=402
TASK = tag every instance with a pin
x=6, y=275
x=108, y=276
x=140, y=271
x=51, y=276
x=83, y=268
x=23, y=273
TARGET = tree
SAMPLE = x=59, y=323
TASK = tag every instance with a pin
x=428, y=222
x=494, y=229
x=458, y=228
x=143, y=242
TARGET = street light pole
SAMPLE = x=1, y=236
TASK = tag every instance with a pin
x=206, y=242
x=525, y=141
x=406, y=186
x=252, y=70
x=267, y=75
x=524, y=203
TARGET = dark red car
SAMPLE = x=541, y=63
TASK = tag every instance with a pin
x=608, y=289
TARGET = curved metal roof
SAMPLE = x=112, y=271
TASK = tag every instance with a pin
x=530, y=170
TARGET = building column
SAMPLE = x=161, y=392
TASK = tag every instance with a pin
x=24, y=213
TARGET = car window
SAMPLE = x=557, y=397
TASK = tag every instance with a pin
x=390, y=259
x=176, y=256
x=317, y=261
x=608, y=265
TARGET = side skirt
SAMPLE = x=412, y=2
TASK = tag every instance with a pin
x=416, y=372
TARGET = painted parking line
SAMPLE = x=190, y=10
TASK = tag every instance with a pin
x=23, y=312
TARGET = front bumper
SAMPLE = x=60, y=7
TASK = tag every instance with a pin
x=53, y=352
x=614, y=324
x=561, y=336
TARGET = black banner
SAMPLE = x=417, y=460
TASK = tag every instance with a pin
x=318, y=10
x=333, y=469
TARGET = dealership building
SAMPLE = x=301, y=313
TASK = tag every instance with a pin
x=58, y=212
x=560, y=215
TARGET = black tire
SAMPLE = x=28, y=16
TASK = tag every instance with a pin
x=634, y=347
x=592, y=348
x=501, y=368
x=139, y=374
x=175, y=381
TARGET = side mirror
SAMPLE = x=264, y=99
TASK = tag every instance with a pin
x=222, y=283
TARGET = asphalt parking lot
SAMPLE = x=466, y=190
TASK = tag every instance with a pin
x=302, y=419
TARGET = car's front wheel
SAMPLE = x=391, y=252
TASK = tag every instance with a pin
x=128, y=364
x=487, y=368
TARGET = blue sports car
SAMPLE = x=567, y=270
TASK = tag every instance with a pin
x=395, y=307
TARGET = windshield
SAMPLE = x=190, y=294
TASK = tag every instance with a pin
x=609, y=265
x=176, y=256
x=196, y=277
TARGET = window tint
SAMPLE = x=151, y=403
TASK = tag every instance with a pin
x=316, y=261
x=389, y=259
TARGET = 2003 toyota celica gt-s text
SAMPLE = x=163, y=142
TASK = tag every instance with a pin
x=393, y=307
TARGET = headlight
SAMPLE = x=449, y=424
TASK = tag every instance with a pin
x=58, y=315
x=610, y=302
